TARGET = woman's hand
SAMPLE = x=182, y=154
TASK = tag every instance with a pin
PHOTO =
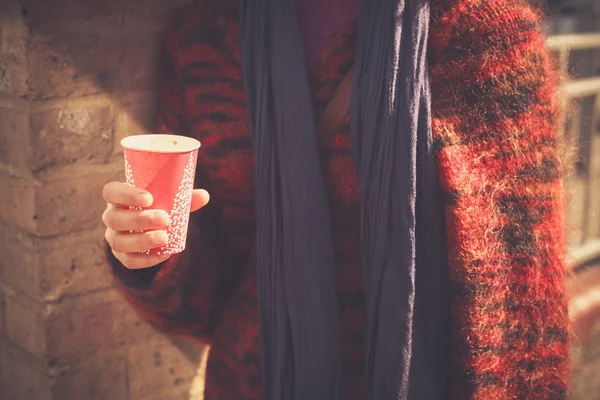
x=120, y=220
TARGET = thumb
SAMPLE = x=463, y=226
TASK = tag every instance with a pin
x=200, y=198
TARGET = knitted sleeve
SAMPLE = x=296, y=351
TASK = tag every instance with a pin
x=494, y=121
x=185, y=294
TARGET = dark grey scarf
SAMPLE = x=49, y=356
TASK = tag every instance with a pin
x=402, y=226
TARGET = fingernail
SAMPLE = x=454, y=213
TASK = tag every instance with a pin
x=160, y=219
x=160, y=238
x=145, y=199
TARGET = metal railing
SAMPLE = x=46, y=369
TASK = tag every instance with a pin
x=580, y=99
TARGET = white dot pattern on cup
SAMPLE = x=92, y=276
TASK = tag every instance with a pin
x=180, y=213
x=128, y=172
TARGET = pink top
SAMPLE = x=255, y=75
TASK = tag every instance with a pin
x=318, y=21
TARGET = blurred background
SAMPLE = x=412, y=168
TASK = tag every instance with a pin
x=76, y=76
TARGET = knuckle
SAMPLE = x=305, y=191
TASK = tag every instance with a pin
x=117, y=243
x=108, y=218
x=132, y=197
x=109, y=238
x=105, y=216
x=141, y=220
x=127, y=261
x=144, y=242
x=106, y=190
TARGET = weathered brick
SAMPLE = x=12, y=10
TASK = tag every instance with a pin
x=159, y=366
x=13, y=103
x=15, y=146
x=13, y=76
x=19, y=263
x=122, y=177
x=13, y=29
x=63, y=64
x=136, y=115
x=75, y=15
x=98, y=378
x=70, y=199
x=66, y=132
x=109, y=25
x=139, y=66
x=72, y=265
x=17, y=199
x=170, y=395
x=25, y=325
x=22, y=378
x=13, y=36
x=78, y=333
x=48, y=269
x=149, y=14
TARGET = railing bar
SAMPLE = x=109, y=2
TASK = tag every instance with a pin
x=587, y=252
x=581, y=87
x=574, y=41
x=593, y=162
x=563, y=60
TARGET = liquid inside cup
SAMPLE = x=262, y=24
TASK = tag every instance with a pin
x=161, y=143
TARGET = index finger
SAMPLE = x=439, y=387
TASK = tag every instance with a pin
x=119, y=193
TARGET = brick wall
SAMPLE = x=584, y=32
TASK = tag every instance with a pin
x=75, y=77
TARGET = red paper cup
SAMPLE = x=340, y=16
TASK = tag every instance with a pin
x=165, y=166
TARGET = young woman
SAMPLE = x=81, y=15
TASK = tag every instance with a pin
x=411, y=250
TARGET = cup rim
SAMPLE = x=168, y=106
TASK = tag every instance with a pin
x=135, y=142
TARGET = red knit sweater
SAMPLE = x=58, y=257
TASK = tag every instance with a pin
x=494, y=128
